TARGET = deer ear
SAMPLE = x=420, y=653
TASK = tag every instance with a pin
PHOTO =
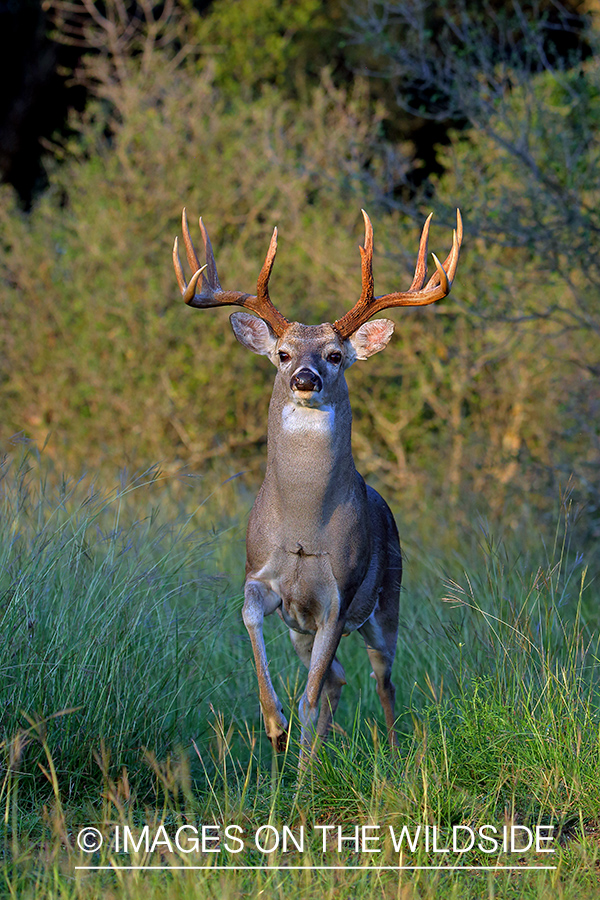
x=253, y=333
x=371, y=337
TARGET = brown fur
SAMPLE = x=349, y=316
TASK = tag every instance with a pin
x=322, y=547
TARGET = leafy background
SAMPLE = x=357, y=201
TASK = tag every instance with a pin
x=408, y=108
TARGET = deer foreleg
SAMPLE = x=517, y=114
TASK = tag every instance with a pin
x=335, y=679
x=260, y=601
x=324, y=669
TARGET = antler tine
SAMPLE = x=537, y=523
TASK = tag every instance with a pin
x=440, y=278
x=178, y=267
x=190, y=250
x=450, y=263
x=421, y=266
x=187, y=290
x=366, y=257
x=437, y=287
x=345, y=326
x=262, y=287
x=211, y=278
x=212, y=294
x=261, y=304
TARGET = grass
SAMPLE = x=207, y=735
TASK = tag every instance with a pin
x=128, y=700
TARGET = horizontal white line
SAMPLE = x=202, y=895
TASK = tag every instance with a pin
x=319, y=868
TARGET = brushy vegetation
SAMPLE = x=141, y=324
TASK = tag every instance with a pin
x=492, y=393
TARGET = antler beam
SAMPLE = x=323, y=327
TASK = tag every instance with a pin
x=212, y=294
x=418, y=294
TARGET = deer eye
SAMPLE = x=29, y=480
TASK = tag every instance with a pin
x=283, y=356
x=334, y=357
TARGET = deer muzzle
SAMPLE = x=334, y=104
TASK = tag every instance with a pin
x=306, y=380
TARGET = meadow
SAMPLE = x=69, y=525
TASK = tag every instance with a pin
x=129, y=700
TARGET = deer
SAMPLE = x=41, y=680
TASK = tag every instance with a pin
x=322, y=546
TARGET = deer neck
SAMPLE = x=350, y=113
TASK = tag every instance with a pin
x=310, y=468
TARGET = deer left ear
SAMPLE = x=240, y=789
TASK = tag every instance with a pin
x=371, y=337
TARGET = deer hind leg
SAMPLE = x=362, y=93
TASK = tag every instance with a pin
x=261, y=601
x=334, y=680
x=380, y=633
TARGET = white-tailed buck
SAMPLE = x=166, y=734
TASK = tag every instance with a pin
x=322, y=546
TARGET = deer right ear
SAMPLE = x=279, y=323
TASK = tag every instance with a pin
x=253, y=333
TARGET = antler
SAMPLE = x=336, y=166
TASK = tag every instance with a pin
x=212, y=294
x=437, y=287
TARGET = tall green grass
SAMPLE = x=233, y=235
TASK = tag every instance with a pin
x=128, y=697
x=108, y=621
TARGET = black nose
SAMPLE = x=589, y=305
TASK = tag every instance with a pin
x=306, y=380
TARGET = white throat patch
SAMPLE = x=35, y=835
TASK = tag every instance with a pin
x=308, y=418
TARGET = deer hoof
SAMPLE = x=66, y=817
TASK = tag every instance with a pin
x=280, y=742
